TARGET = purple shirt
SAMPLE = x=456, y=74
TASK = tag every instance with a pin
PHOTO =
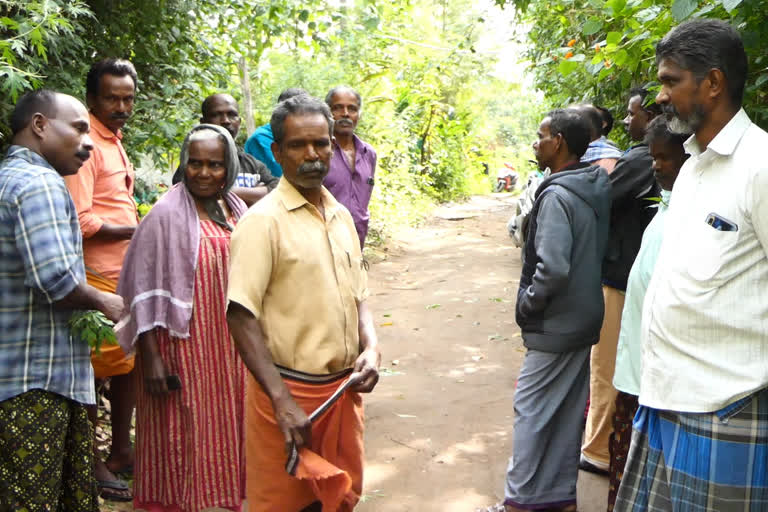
x=353, y=188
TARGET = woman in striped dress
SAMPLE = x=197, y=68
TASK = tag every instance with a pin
x=190, y=378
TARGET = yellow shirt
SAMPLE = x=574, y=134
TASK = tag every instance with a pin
x=302, y=277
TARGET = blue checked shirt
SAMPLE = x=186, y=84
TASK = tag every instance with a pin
x=599, y=149
x=41, y=262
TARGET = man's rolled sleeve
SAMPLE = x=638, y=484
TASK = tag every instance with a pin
x=251, y=262
x=45, y=240
x=80, y=187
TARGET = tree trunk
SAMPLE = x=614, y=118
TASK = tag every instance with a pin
x=245, y=85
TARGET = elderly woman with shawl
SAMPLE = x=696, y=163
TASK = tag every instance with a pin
x=190, y=378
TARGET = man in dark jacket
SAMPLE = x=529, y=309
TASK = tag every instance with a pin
x=559, y=310
x=632, y=184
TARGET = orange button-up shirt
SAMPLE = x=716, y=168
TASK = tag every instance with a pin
x=103, y=193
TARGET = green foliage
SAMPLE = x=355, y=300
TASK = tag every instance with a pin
x=613, y=46
x=36, y=36
x=92, y=327
x=183, y=50
x=433, y=109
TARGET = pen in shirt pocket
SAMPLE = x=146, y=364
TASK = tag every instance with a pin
x=349, y=259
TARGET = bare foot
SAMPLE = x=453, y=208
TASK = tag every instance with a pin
x=120, y=463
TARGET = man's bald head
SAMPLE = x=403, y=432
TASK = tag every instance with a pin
x=221, y=109
x=55, y=126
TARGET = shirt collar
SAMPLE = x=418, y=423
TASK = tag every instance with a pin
x=726, y=140
x=360, y=146
x=292, y=198
x=104, y=132
x=27, y=154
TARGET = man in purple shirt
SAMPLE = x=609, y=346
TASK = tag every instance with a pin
x=353, y=162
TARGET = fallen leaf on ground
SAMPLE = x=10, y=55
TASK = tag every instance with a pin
x=433, y=306
x=405, y=415
x=385, y=324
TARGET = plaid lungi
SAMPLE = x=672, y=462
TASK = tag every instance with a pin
x=698, y=462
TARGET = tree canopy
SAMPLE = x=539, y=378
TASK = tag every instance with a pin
x=596, y=50
x=433, y=107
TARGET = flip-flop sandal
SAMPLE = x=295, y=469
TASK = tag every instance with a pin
x=107, y=486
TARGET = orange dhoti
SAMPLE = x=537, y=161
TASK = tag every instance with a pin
x=110, y=360
x=329, y=471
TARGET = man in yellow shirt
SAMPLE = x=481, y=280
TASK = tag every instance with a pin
x=298, y=316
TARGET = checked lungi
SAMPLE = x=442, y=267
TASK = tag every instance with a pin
x=697, y=462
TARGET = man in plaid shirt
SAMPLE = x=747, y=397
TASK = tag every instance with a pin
x=46, y=377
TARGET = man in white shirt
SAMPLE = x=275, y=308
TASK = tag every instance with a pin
x=700, y=439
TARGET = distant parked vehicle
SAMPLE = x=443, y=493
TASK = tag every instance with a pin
x=506, y=179
x=518, y=224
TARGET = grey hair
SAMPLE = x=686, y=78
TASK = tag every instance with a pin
x=703, y=44
x=298, y=106
x=231, y=161
x=343, y=88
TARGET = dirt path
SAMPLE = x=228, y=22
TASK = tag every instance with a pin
x=438, y=427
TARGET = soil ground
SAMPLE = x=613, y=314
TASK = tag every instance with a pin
x=439, y=423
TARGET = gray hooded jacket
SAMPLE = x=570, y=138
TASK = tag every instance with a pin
x=560, y=301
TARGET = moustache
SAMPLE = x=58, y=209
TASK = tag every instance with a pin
x=344, y=122
x=669, y=110
x=313, y=167
x=119, y=115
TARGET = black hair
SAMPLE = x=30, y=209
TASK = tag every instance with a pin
x=574, y=128
x=41, y=101
x=297, y=105
x=206, y=104
x=652, y=108
x=607, y=119
x=290, y=93
x=658, y=131
x=592, y=116
x=116, y=67
x=340, y=88
x=699, y=46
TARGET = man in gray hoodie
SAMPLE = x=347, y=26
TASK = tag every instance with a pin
x=559, y=310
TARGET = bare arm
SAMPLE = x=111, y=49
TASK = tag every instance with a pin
x=152, y=363
x=115, y=232
x=250, y=195
x=367, y=363
x=85, y=296
x=249, y=340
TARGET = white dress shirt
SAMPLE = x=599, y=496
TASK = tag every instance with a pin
x=705, y=315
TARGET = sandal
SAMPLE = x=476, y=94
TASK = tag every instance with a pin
x=114, y=490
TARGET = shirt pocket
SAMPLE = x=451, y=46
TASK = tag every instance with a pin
x=708, y=250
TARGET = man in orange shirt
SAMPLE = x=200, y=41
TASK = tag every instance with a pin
x=103, y=193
